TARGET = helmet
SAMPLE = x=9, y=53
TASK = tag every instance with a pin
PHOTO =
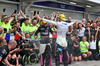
x=44, y=22
x=62, y=17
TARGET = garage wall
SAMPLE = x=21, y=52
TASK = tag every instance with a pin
x=94, y=16
x=9, y=8
x=47, y=11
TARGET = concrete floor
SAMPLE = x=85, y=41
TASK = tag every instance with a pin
x=81, y=63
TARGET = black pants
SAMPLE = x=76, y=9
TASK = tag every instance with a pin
x=94, y=55
x=2, y=64
x=46, y=55
x=64, y=59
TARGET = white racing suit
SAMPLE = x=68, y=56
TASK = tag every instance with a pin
x=62, y=28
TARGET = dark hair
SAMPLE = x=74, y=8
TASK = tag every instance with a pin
x=26, y=19
x=78, y=25
x=34, y=19
x=26, y=33
x=4, y=16
x=91, y=38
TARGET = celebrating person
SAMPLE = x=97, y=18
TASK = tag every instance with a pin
x=61, y=39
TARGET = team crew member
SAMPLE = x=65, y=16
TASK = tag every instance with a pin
x=84, y=46
x=45, y=43
x=92, y=41
x=80, y=31
x=62, y=28
x=4, y=50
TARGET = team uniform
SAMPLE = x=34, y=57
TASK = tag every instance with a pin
x=4, y=50
x=45, y=44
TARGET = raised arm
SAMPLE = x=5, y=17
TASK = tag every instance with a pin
x=2, y=13
x=6, y=61
x=32, y=17
x=69, y=24
x=96, y=34
x=41, y=12
x=46, y=20
x=89, y=33
x=23, y=14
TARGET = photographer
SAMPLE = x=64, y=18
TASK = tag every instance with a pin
x=12, y=59
x=4, y=50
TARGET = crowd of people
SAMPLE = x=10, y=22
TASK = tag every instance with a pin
x=74, y=41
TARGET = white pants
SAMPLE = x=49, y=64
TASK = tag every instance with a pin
x=61, y=41
x=42, y=48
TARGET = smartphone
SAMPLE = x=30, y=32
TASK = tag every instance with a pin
x=34, y=13
x=15, y=11
x=37, y=12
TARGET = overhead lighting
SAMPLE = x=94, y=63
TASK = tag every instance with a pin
x=96, y=1
x=88, y=6
x=72, y=3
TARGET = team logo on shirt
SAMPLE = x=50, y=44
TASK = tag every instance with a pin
x=64, y=23
x=42, y=28
x=4, y=51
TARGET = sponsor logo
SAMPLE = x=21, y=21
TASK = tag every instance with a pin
x=64, y=23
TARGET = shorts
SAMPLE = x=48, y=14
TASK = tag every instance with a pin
x=76, y=52
x=84, y=52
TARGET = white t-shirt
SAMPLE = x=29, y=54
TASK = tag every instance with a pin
x=93, y=44
x=81, y=32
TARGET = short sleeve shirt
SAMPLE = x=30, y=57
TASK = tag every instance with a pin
x=4, y=50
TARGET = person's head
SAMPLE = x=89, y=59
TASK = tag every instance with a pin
x=94, y=25
x=14, y=56
x=83, y=21
x=27, y=16
x=44, y=23
x=17, y=24
x=98, y=24
x=26, y=21
x=74, y=38
x=4, y=16
x=92, y=38
x=40, y=22
x=88, y=24
x=71, y=27
x=89, y=20
x=61, y=17
x=34, y=21
x=27, y=35
x=51, y=25
x=80, y=25
x=6, y=20
x=98, y=19
x=84, y=38
x=1, y=30
x=76, y=24
x=69, y=18
x=12, y=44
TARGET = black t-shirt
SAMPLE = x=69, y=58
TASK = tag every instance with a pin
x=4, y=50
x=70, y=43
x=18, y=30
x=44, y=31
x=68, y=21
